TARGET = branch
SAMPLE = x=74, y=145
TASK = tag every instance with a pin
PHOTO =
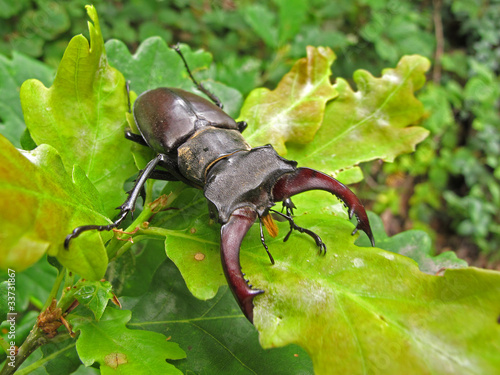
x=438, y=31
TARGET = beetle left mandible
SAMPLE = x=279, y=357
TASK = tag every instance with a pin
x=199, y=144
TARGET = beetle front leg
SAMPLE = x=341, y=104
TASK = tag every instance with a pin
x=293, y=226
x=232, y=234
x=126, y=207
x=304, y=179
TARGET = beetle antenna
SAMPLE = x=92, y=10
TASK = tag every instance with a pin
x=200, y=86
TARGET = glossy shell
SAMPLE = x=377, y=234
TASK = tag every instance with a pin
x=206, y=147
x=167, y=117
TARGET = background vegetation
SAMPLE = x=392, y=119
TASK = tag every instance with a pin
x=450, y=187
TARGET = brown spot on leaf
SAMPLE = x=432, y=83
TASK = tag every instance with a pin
x=199, y=256
x=114, y=360
x=192, y=230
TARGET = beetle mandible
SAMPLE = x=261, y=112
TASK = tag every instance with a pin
x=198, y=143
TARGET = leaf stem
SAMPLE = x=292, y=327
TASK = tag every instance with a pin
x=117, y=247
x=55, y=288
x=35, y=339
x=41, y=361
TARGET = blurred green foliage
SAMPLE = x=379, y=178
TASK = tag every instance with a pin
x=452, y=182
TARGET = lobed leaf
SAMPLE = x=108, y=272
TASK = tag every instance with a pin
x=82, y=115
x=94, y=295
x=120, y=350
x=370, y=306
x=293, y=112
x=365, y=310
x=414, y=244
x=371, y=123
x=13, y=73
x=41, y=204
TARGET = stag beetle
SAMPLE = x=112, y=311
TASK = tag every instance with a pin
x=198, y=143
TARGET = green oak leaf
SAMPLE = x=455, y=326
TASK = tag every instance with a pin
x=371, y=123
x=82, y=115
x=94, y=295
x=132, y=273
x=13, y=72
x=155, y=64
x=194, y=246
x=372, y=307
x=293, y=112
x=415, y=244
x=41, y=204
x=120, y=350
x=214, y=333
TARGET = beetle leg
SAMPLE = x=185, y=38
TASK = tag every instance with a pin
x=200, y=86
x=289, y=206
x=263, y=240
x=293, y=226
x=232, y=234
x=137, y=138
x=242, y=125
x=126, y=207
x=304, y=179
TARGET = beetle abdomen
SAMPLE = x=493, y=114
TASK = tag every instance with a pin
x=167, y=117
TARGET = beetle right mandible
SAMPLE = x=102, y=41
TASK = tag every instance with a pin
x=198, y=143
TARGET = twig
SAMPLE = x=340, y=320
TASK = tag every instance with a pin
x=438, y=31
